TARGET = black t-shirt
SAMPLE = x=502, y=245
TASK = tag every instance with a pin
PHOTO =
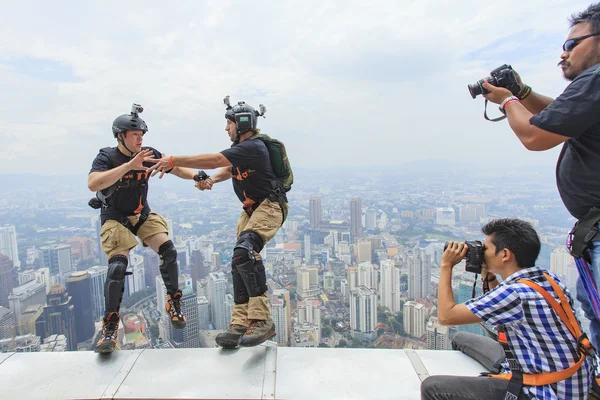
x=131, y=194
x=251, y=170
x=576, y=114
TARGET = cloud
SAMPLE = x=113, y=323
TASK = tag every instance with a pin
x=344, y=83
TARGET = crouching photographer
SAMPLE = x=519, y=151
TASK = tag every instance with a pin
x=544, y=355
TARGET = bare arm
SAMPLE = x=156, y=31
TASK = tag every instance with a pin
x=223, y=175
x=535, y=102
x=450, y=313
x=532, y=137
x=183, y=173
x=201, y=161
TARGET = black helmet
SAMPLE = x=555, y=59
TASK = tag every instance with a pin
x=130, y=122
x=244, y=115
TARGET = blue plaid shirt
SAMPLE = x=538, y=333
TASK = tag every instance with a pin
x=537, y=337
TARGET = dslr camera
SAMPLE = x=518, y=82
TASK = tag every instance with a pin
x=474, y=257
x=503, y=76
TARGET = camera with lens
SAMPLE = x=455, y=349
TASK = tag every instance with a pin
x=474, y=257
x=503, y=76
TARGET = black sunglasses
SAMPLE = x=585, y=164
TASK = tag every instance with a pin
x=570, y=44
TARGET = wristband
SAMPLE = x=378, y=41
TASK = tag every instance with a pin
x=171, y=162
x=506, y=102
x=524, y=93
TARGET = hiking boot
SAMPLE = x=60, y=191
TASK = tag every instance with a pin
x=173, y=307
x=229, y=339
x=108, y=336
x=258, y=332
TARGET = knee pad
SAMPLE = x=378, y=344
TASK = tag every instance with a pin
x=114, y=285
x=254, y=277
x=168, y=267
x=240, y=293
x=250, y=240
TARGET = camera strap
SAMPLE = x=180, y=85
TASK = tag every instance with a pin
x=500, y=118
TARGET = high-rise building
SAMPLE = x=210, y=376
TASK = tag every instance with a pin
x=229, y=303
x=445, y=216
x=364, y=251
x=59, y=317
x=390, y=286
x=328, y=281
x=438, y=336
x=57, y=258
x=102, y=257
x=8, y=244
x=7, y=324
x=315, y=213
x=352, y=278
x=151, y=266
x=419, y=274
x=217, y=288
x=370, y=219
x=136, y=281
x=7, y=279
x=559, y=260
x=29, y=318
x=203, y=313
x=414, y=318
x=307, y=249
x=215, y=260
x=280, y=310
x=97, y=279
x=81, y=248
x=79, y=287
x=367, y=275
x=309, y=312
x=191, y=331
x=164, y=324
x=197, y=267
x=363, y=313
x=356, y=218
x=26, y=295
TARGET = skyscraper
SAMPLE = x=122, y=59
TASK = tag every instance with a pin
x=356, y=218
x=315, y=212
x=151, y=266
x=102, y=257
x=390, y=286
x=197, y=267
x=7, y=324
x=26, y=295
x=79, y=287
x=280, y=309
x=414, y=318
x=7, y=279
x=217, y=287
x=419, y=274
x=8, y=244
x=57, y=258
x=363, y=313
x=438, y=336
x=59, y=317
x=97, y=279
x=370, y=219
x=191, y=332
x=203, y=313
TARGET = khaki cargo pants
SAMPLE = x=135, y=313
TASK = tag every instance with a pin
x=265, y=221
x=115, y=238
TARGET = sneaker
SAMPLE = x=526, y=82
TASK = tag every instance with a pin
x=258, y=332
x=230, y=338
x=173, y=307
x=108, y=336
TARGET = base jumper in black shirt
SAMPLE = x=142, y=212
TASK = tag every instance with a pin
x=120, y=177
x=264, y=202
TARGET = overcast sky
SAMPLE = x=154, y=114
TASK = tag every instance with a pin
x=344, y=83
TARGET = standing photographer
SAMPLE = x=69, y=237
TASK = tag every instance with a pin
x=573, y=119
x=539, y=341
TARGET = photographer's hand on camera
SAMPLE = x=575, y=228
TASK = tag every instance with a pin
x=496, y=94
x=454, y=253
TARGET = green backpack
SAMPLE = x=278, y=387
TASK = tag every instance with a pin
x=279, y=160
